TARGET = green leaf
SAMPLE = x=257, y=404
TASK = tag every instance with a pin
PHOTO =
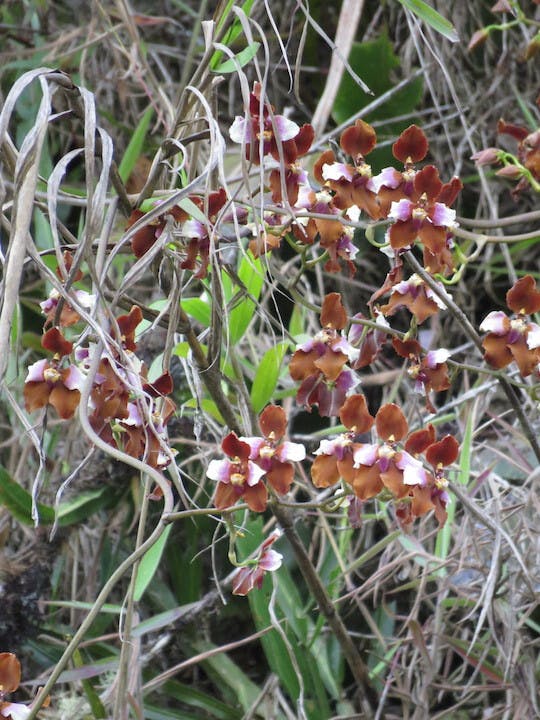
x=206, y=705
x=199, y=309
x=297, y=323
x=19, y=502
x=242, y=58
x=251, y=274
x=135, y=146
x=149, y=564
x=208, y=406
x=266, y=377
x=193, y=210
x=227, y=673
x=430, y=16
x=98, y=711
x=79, y=508
x=232, y=33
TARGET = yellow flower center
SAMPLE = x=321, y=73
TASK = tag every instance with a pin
x=51, y=375
x=413, y=371
x=385, y=451
x=267, y=452
x=519, y=325
x=237, y=478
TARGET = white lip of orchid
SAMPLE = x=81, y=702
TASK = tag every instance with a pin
x=436, y=299
x=353, y=213
x=239, y=131
x=533, y=336
x=336, y=171
x=494, y=322
x=389, y=177
x=443, y=216
x=400, y=209
x=436, y=357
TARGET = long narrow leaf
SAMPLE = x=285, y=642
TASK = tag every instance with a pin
x=430, y=16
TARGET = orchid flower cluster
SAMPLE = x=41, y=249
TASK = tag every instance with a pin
x=374, y=455
x=125, y=409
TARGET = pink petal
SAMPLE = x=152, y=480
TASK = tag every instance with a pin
x=437, y=357
x=85, y=299
x=134, y=416
x=365, y=455
x=404, y=287
x=413, y=470
x=285, y=129
x=255, y=473
x=194, y=229
x=496, y=322
x=533, y=336
x=74, y=379
x=328, y=447
x=388, y=177
x=337, y=171
x=16, y=711
x=436, y=299
x=443, y=216
x=35, y=371
x=270, y=560
x=291, y=452
x=49, y=304
x=240, y=130
x=401, y=210
x=219, y=470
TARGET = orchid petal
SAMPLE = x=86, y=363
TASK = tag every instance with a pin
x=286, y=129
x=443, y=216
x=291, y=452
x=533, y=336
x=365, y=455
x=35, y=371
x=15, y=711
x=270, y=560
x=337, y=171
x=219, y=470
x=388, y=177
x=255, y=473
x=240, y=130
x=437, y=357
x=413, y=470
x=401, y=210
x=496, y=322
x=74, y=379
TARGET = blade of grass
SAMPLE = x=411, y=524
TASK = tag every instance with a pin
x=135, y=145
